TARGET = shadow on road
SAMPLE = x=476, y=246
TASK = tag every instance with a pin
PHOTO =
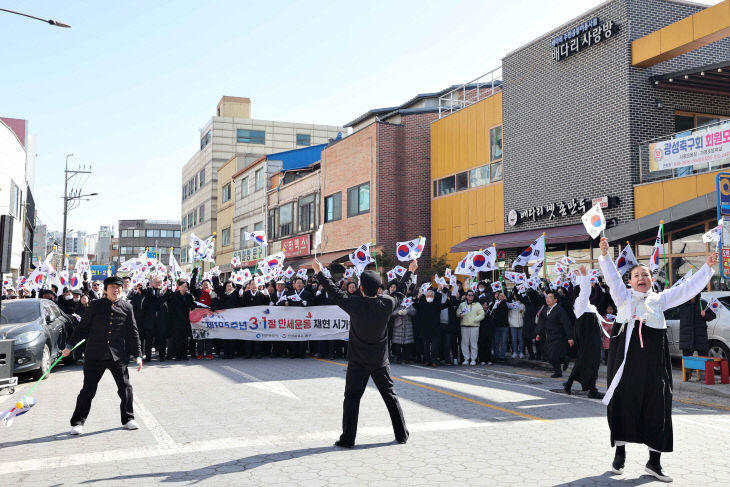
x=607, y=479
x=236, y=466
x=55, y=437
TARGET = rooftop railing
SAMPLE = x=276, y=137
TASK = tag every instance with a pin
x=471, y=92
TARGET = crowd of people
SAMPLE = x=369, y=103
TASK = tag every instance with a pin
x=446, y=325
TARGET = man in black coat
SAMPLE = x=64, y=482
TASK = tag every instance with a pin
x=108, y=327
x=154, y=319
x=428, y=316
x=693, y=321
x=367, y=352
x=555, y=323
x=227, y=297
x=252, y=296
x=179, y=304
x=299, y=296
x=532, y=301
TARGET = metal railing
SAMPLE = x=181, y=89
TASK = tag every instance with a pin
x=471, y=92
x=646, y=175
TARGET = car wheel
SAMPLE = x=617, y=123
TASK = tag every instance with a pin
x=718, y=350
x=45, y=363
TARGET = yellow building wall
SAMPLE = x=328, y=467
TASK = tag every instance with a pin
x=460, y=142
x=653, y=197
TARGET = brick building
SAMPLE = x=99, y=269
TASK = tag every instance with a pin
x=582, y=107
x=375, y=183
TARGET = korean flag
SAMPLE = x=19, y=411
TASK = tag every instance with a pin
x=594, y=221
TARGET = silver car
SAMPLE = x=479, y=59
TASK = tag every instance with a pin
x=718, y=330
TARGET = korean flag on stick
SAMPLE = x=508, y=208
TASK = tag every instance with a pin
x=484, y=260
x=713, y=235
x=684, y=279
x=258, y=237
x=536, y=251
x=410, y=250
x=361, y=257
x=626, y=260
x=654, y=260
x=594, y=221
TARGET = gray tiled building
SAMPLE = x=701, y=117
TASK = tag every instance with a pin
x=156, y=236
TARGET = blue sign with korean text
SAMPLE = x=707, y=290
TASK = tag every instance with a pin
x=101, y=272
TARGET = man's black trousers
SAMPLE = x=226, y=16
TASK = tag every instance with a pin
x=356, y=382
x=93, y=371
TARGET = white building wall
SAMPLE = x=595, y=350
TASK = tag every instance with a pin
x=12, y=170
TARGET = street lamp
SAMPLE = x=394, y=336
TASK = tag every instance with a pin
x=49, y=21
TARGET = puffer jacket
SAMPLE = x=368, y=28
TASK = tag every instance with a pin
x=515, y=316
x=471, y=314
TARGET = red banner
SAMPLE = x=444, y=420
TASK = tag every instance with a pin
x=295, y=247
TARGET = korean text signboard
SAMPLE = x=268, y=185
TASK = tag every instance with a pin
x=296, y=247
x=723, y=212
x=271, y=323
x=712, y=147
x=582, y=36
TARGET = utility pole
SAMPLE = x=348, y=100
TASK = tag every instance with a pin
x=68, y=175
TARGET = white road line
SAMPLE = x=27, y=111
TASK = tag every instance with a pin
x=274, y=387
x=163, y=439
x=530, y=406
x=324, y=437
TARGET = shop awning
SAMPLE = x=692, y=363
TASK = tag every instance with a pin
x=646, y=227
x=713, y=79
x=327, y=259
x=556, y=235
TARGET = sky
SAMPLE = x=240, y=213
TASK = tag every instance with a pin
x=128, y=87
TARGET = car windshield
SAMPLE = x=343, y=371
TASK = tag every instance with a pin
x=19, y=311
x=724, y=300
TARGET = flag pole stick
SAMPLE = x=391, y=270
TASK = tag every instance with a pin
x=544, y=259
x=664, y=256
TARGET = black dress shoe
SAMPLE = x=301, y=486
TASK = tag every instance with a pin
x=401, y=441
x=340, y=444
x=656, y=471
x=618, y=464
x=594, y=394
x=565, y=365
x=567, y=387
x=556, y=375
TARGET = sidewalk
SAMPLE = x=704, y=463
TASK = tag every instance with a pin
x=691, y=387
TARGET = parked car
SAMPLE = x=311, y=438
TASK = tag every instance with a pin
x=718, y=330
x=39, y=329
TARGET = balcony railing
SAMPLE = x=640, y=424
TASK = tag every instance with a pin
x=471, y=92
x=694, y=144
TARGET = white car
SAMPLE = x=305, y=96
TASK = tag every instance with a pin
x=718, y=330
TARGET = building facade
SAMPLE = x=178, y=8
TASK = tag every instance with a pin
x=103, y=245
x=157, y=237
x=233, y=132
x=581, y=108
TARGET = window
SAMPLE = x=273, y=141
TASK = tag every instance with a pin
x=242, y=242
x=124, y=233
x=259, y=178
x=152, y=233
x=435, y=189
x=462, y=181
x=14, y=199
x=244, y=187
x=272, y=224
x=202, y=176
x=495, y=143
x=184, y=189
x=226, y=237
x=496, y=171
x=333, y=207
x=246, y=136
x=304, y=139
x=139, y=233
x=177, y=233
x=286, y=219
x=115, y=247
x=479, y=176
x=205, y=140
x=258, y=226
x=195, y=183
x=446, y=185
x=358, y=199
x=184, y=254
x=306, y=213
x=195, y=218
x=201, y=218
x=226, y=193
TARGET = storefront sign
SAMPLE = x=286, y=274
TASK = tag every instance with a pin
x=712, y=147
x=723, y=195
x=726, y=262
x=582, y=36
x=601, y=200
x=249, y=257
x=551, y=211
x=295, y=247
